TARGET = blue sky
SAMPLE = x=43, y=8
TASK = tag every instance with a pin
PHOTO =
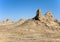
x=17, y=9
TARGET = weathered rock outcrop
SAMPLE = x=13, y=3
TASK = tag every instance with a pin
x=6, y=22
x=47, y=17
x=37, y=15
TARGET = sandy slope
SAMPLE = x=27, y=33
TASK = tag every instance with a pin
x=29, y=31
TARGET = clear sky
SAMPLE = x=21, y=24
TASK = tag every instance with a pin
x=17, y=9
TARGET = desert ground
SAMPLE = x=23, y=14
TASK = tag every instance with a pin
x=37, y=29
